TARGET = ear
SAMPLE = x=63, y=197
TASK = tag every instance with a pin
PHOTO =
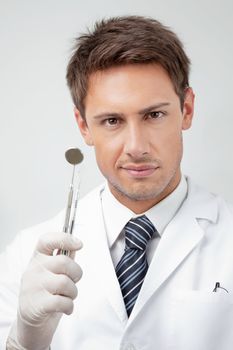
x=83, y=127
x=188, y=109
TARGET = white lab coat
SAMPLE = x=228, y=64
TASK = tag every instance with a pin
x=176, y=309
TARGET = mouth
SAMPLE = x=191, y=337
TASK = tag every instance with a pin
x=138, y=170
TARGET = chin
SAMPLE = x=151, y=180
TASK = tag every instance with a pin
x=143, y=196
x=139, y=193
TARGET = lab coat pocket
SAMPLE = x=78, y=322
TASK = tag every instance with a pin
x=202, y=320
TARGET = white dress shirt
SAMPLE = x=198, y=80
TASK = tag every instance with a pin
x=116, y=216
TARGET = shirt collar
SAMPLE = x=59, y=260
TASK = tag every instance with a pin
x=116, y=215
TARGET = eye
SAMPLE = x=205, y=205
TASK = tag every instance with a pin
x=155, y=114
x=111, y=122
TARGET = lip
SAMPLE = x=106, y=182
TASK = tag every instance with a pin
x=139, y=171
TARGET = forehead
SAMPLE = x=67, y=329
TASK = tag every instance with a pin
x=133, y=83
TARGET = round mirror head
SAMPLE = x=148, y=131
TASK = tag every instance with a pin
x=74, y=156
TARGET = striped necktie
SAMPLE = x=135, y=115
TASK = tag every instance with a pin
x=132, y=268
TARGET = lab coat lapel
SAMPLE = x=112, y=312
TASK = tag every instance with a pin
x=177, y=242
x=108, y=276
x=110, y=281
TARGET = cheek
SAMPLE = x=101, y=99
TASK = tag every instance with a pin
x=107, y=151
x=171, y=145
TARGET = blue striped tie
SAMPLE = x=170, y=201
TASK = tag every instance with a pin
x=132, y=268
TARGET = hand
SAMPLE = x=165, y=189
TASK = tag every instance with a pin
x=47, y=291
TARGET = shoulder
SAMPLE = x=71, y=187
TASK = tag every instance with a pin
x=26, y=239
x=207, y=204
x=92, y=197
x=55, y=223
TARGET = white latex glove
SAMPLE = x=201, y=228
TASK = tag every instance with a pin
x=47, y=291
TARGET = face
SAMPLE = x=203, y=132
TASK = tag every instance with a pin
x=134, y=120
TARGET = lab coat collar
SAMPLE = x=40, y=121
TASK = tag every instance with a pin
x=116, y=215
x=200, y=203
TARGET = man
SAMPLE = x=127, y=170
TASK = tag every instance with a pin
x=157, y=250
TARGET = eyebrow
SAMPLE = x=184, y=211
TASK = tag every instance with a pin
x=140, y=112
x=156, y=106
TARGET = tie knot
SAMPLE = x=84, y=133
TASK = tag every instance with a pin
x=138, y=232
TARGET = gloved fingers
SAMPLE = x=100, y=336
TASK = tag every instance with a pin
x=60, y=285
x=50, y=242
x=58, y=303
x=72, y=254
x=61, y=264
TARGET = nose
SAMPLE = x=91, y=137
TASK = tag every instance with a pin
x=136, y=141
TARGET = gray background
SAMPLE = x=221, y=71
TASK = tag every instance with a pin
x=37, y=123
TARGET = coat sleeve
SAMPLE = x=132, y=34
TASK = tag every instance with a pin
x=11, y=268
x=13, y=262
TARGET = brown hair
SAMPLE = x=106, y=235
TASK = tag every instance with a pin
x=126, y=40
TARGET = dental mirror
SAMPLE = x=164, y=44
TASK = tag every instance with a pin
x=74, y=156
